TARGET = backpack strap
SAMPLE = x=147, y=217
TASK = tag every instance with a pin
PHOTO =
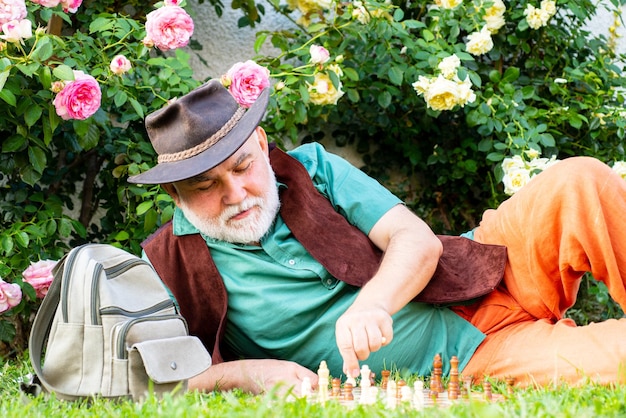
x=43, y=322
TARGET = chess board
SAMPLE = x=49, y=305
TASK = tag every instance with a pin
x=393, y=394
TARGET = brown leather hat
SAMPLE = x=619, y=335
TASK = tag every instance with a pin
x=198, y=131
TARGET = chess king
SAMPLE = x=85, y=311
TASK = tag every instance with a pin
x=280, y=259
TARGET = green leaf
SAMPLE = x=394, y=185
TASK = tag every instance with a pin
x=511, y=74
x=143, y=207
x=120, y=98
x=37, y=158
x=8, y=97
x=14, y=143
x=22, y=239
x=260, y=40
x=384, y=99
x=7, y=331
x=7, y=244
x=121, y=236
x=44, y=50
x=65, y=227
x=32, y=115
x=351, y=74
x=29, y=69
x=89, y=134
x=396, y=75
x=63, y=72
x=138, y=109
x=3, y=78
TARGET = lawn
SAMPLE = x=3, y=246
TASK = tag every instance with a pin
x=563, y=401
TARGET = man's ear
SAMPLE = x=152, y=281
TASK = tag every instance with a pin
x=171, y=190
x=262, y=138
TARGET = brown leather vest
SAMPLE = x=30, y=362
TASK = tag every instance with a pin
x=466, y=269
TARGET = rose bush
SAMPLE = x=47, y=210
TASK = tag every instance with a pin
x=73, y=93
x=436, y=94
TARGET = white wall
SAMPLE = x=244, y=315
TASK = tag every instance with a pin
x=224, y=43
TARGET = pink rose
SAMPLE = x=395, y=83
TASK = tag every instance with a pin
x=15, y=31
x=39, y=276
x=79, y=99
x=120, y=64
x=47, y=3
x=71, y=6
x=10, y=295
x=319, y=54
x=12, y=10
x=247, y=81
x=169, y=27
x=172, y=2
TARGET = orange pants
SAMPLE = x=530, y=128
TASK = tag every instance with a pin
x=568, y=220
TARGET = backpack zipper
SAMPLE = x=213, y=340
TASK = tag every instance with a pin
x=114, y=271
x=116, y=310
x=122, y=353
x=69, y=266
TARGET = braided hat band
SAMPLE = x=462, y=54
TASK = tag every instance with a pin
x=212, y=140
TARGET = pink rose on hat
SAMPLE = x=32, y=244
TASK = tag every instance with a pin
x=168, y=27
x=10, y=295
x=39, y=276
x=79, y=99
x=247, y=80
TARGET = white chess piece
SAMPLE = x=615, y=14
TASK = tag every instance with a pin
x=418, y=395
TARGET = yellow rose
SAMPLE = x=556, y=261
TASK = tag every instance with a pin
x=479, y=43
x=448, y=4
x=442, y=94
x=515, y=179
x=322, y=91
x=448, y=66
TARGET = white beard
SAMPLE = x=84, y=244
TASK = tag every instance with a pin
x=249, y=230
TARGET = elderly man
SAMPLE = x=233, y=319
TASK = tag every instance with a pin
x=280, y=260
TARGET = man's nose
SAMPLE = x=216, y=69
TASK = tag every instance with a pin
x=234, y=191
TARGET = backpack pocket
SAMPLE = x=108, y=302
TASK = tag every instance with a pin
x=161, y=366
x=128, y=333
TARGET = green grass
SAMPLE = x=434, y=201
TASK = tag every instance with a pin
x=563, y=401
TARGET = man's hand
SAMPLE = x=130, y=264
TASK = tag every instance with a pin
x=361, y=331
x=254, y=376
x=411, y=252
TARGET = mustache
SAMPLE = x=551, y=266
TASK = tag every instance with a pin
x=234, y=210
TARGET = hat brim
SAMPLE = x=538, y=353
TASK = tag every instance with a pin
x=170, y=172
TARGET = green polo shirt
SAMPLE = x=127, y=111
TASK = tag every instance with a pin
x=283, y=304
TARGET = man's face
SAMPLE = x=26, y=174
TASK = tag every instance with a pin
x=236, y=201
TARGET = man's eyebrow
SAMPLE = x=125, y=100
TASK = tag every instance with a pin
x=202, y=177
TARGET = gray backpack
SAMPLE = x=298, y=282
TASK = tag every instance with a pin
x=111, y=329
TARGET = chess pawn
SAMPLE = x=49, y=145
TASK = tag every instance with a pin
x=392, y=397
x=385, y=374
x=467, y=386
x=399, y=387
x=306, y=390
x=510, y=383
x=335, y=388
x=406, y=394
x=487, y=390
x=418, y=395
x=438, y=372
x=348, y=395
